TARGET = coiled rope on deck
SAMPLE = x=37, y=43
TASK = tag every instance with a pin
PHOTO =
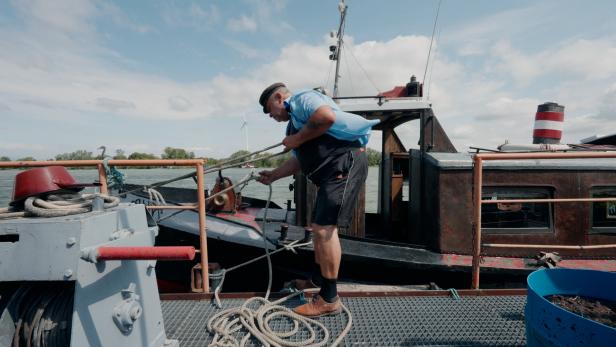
x=58, y=205
x=256, y=321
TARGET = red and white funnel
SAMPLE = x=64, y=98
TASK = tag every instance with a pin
x=549, y=123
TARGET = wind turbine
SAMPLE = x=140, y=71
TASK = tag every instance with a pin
x=244, y=127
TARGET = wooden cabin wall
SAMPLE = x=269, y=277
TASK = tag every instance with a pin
x=571, y=221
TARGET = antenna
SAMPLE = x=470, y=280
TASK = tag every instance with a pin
x=438, y=10
x=336, y=50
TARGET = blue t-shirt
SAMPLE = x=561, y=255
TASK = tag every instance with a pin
x=347, y=126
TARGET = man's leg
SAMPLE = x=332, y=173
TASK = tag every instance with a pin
x=327, y=250
x=316, y=277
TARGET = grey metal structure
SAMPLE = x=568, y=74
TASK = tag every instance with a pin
x=383, y=321
x=115, y=303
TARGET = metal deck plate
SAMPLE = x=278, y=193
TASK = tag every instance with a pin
x=384, y=321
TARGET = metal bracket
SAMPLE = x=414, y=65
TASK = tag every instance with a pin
x=121, y=234
x=89, y=254
x=128, y=311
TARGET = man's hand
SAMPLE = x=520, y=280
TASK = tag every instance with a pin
x=267, y=177
x=291, y=142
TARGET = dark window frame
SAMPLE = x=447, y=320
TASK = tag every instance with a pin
x=521, y=189
x=599, y=230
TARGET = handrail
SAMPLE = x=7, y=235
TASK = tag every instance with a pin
x=478, y=202
x=99, y=164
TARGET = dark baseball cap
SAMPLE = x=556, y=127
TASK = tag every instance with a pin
x=268, y=92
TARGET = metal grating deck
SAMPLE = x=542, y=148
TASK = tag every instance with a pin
x=385, y=321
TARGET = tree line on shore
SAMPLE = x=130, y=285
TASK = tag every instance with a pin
x=374, y=157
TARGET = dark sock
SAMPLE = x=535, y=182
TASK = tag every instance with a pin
x=329, y=290
x=316, y=277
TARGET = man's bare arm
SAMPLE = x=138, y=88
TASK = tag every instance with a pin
x=318, y=124
x=288, y=168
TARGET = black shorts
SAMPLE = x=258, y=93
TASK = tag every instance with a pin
x=339, y=184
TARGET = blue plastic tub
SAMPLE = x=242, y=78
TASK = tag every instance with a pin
x=550, y=325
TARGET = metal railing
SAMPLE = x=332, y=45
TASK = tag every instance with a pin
x=478, y=202
x=99, y=164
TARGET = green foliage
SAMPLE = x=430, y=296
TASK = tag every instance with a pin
x=374, y=157
x=77, y=155
x=120, y=155
x=277, y=161
x=177, y=153
x=141, y=156
x=210, y=161
x=239, y=154
x=3, y=158
x=265, y=162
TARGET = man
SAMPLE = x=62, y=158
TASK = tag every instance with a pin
x=329, y=148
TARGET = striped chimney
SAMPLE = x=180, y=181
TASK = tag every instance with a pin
x=549, y=123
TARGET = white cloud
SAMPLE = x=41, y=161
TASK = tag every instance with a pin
x=179, y=103
x=607, y=107
x=69, y=75
x=245, y=50
x=582, y=59
x=114, y=104
x=522, y=68
x=21, y=146
x=69, y=16
x=267, y=16
x=242, y=23
x=193, y=16
x=474, y=38
x=121, y=19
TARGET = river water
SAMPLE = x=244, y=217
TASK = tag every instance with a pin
x=280, y=193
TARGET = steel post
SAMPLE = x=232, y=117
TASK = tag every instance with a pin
x=477, y=182
x=202, y=233
x=102, y=178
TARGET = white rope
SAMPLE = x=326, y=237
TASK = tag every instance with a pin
x=72, y=204
x=155, y=196
x=58, y=205
x=228, y=324
x=10, y=212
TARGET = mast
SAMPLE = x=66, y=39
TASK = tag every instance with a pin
x=337, y=50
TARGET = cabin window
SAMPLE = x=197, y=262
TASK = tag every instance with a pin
x=528, y=217
x=603, y=213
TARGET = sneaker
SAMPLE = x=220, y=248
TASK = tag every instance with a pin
x=318, y=307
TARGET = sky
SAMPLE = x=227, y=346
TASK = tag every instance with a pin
x=144, y=75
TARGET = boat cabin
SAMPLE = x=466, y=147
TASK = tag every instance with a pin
x=435, y=212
